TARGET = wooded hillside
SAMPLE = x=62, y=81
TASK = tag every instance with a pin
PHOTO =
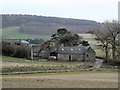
x=33, y=24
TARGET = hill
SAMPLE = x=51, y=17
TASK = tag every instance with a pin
x=42, y=25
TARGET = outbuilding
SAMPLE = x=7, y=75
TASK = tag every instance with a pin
x=74, y=53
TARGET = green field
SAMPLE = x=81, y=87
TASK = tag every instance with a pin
x=91, y=41
x=14, y=33
x=25, y=61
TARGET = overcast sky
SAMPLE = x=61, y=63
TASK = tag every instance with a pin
x=98, y=10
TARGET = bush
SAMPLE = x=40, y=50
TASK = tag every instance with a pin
x=8, y=50
x=21, y=52
x=16, y=51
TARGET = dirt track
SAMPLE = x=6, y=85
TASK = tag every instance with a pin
x=90, y=80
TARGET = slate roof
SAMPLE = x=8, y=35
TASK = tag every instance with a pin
x=16, y=41
x=23, y=41
x=71, y=50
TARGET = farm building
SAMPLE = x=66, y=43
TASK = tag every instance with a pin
x=74, y=53
x=16, y=42
x=35, y=49
x=22, y=43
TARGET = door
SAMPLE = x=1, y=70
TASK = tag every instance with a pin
x=70, y=57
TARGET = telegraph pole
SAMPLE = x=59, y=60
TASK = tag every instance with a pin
x=119, y=11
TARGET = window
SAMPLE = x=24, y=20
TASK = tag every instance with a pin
x=18, y=43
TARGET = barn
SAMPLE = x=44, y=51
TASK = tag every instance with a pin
x=73, y=53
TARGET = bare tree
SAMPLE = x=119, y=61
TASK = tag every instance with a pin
x=113, y=29
x=108, y=36
x=118, y=47
x=104, y=38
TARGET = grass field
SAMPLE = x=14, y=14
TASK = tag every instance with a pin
x=14, y=33
x=91, y=41
x=12, y=61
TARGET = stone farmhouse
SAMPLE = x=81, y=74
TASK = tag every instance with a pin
x=73, y=53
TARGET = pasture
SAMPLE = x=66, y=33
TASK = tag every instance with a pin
x=7, y=61
x=14, y=33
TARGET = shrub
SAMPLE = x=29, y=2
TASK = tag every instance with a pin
x=16, y=51
x=20, y=52
x=8, y=50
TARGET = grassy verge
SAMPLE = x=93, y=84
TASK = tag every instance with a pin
x=13, y=59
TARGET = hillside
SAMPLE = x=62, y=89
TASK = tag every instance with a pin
x=15, y=33
x=41, y=25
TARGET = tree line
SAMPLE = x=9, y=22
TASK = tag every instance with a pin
x=33, y=24
x=18, y=19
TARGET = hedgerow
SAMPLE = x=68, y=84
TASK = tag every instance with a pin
x=16, y=51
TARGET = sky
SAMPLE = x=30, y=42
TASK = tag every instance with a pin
x=98, y=10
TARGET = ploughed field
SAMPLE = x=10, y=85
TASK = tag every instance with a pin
x=62, y=80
